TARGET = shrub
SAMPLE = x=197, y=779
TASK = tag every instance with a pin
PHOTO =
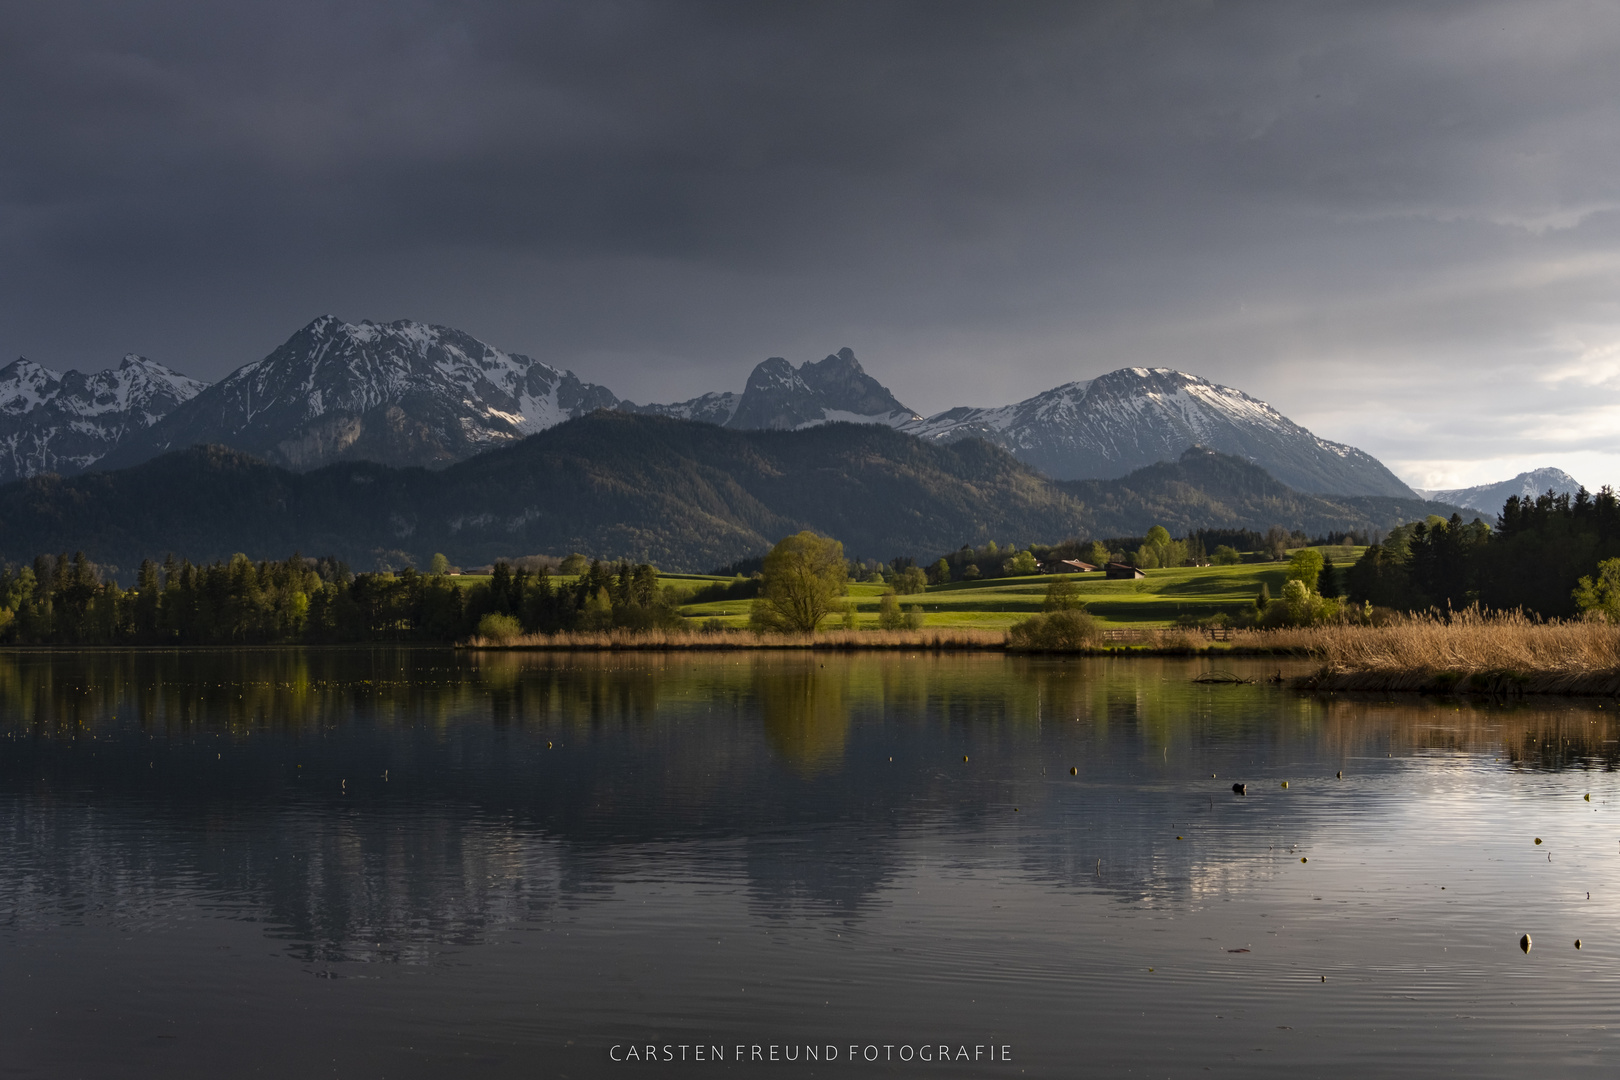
x=1058, y=631
x=910, y=580
x=1298, y=607
x=493, y=627
x=1305, y=566
x=1062, y=595
x=739, y=588
x=889, y=614
x=1599, y=598
x=1020, y=565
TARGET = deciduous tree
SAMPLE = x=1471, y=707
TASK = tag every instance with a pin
x=805, y=579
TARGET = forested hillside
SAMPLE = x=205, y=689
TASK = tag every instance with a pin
x=678, y=494
x=1209, y=490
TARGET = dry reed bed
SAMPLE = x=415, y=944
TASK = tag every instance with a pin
x=1467, y=653
x=940, y=640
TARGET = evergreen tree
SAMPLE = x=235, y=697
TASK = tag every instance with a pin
x=1327, y=581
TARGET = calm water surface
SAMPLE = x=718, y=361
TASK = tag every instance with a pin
x=429, y=864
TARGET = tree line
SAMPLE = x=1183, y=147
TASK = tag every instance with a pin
x=1534, y=559
x=69, y=600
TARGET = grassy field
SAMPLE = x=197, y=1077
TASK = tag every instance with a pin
x=1156, y=600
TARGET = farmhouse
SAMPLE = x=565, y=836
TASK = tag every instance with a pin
x=1124, y=570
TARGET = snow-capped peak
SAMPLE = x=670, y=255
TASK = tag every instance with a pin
x=66, y=421
x=402, y=392
x=1107, y=426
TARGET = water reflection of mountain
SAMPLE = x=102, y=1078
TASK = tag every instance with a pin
x=378, y=803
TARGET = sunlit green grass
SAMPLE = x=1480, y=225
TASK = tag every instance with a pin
x=1156, y=600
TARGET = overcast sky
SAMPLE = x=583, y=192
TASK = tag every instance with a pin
x=1399, y=223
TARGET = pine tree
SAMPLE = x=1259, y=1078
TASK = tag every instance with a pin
x=1327, y=582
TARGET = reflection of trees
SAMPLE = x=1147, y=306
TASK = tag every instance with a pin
x=138, y=770
x=1537, y=733
x=805, y=712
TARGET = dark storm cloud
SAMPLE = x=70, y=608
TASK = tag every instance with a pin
x=1335, y=206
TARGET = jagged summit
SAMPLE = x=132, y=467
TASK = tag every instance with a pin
x=781, y=396
x=403, y=393
x=67, y=421
x=411, y=393
x=1108, y=426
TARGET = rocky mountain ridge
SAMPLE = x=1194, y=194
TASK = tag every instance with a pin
x=67, y=421
x=1490, y=497
x=1130, y=418
x=781, y=397
x=403, y=393
x=408, y=393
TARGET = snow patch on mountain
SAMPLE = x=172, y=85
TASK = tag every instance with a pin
x=65, y=422
x=403, y=393
x=1108, y=426
x=783, y=397
x=1490, y=498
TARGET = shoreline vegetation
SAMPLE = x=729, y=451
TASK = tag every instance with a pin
x=1159, y=598
x=1459, y=653
x=1468, y=652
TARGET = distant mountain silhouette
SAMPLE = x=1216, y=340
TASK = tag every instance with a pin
x=1489, y=498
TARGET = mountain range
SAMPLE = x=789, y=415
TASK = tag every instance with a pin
x=1133, y=417
x=408, y=393
x=66, y=422
x=685, y=495
x=401, y=393
x=1490, y=497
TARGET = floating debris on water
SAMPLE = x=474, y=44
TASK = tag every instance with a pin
x=1538, y=840
x=1340, y=774
x=1222, y=677
x=1524, y=943
x=1240, y=789
x=1285, y=783
x=1577, y=943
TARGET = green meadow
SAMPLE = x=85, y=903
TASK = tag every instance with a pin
x=1159, y=599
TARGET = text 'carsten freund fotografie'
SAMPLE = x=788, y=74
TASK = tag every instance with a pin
x=853, y=1053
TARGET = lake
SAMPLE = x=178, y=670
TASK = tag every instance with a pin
x=430, y=863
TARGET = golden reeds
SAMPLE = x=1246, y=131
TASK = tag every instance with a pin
x=942, y=639
x=1458, y=652
x=1467, y=652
